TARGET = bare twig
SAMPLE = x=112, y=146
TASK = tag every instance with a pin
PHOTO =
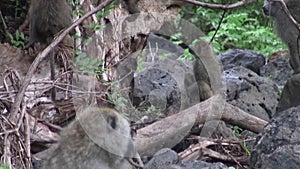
x=202, y=149
x=232, y=157
x=19, y=123
x=4, y=24
x=6, y=151
x=56, y=127
x=27, y=138
x=219, y=25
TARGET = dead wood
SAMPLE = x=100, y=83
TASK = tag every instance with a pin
x=171, y=130
x=220, y=6
x=230, y=150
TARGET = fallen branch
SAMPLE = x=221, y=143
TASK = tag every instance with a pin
x=171, y=130
x=200, y=150
x=219, y=6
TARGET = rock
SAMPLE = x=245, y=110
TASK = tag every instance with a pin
x=197, y=164
x=278, y=70
x=290, y=96
x=37, y=164
x=284, y=54
x=168, y=159
x=217, y=129
x=242, y=57
x=165, y=46
x=278, y=146
x=163, y=159
x=156, y=87
x=254, y=94
x=168, y=85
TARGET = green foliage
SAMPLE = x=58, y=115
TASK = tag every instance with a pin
x=88, y=64
x=78, y=12
x=84, y=62
x=153, y=110
x=102, y=13
x=245, y=27
x=117, y=99
x=17, y=2
x=241, y=31
x=18, y=40
x=247, y=150
x=236, y=131
x=187, y=55
x=176, y=38
x=74, y=2
x=19, y=9
x=94, y=26
x=4, y=166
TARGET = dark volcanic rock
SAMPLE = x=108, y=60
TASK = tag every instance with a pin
x=242, y=57
x=168, y=85
x=163, y=159
x=278, y=70
x=254, y=94
x=279, y=145
x=290, y=96
x=197, y=164
x=165, y=46
x=168, y=159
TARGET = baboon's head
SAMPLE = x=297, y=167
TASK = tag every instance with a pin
x=108, y=129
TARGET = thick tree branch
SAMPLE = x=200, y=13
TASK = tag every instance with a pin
x=219, y=6
x=169, y=131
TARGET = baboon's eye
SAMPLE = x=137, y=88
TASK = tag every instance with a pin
x=112, y=122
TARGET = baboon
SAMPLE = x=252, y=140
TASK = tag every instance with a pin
x=285, y=28
x=47, y=18
x=202, y=80
x=99, y=138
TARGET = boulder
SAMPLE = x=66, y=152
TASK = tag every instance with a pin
x=242, y=57
x=254, y=94
x=290, y=96
x=168, y=159
x=278, y=70
x=278, y=146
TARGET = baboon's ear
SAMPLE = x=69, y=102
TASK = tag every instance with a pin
x=112, y=121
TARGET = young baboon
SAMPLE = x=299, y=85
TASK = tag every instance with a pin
x=202, y=79
x=285, y=28
x=99, y=138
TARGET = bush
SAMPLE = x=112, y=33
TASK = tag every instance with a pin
x=245, y=28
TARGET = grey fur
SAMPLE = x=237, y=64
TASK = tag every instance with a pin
x=47, y=18
x=99, y=138
x=285, y=28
